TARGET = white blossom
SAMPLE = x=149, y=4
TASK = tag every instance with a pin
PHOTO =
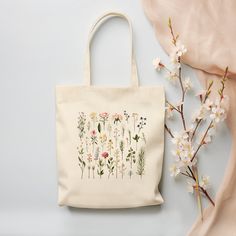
x=180, y=49
x=157, y=63
x=204, y=182
x=184, y=150
x=208, y=104
x=190, y=186
x=201, y=113
x=218, y=113
x=169, y=111
x=187, y=84
x=174, y=170
x=172, y=76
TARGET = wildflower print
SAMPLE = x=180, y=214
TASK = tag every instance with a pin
x=90, y=159
x=129, y=137
x=130, y=173
x=142, y=123
x=141, y=163
x=136, y=138
x=131, y=157
x=86, y=144
x=110, y=166
x=94, y=138
x=117, y=118
x=144, y=138
x=122, y=148
x=96, y=155
x=100, y=169
x=93, y=170
x=82, y=163
x=103, y=118
x=93, y=117
x=117, y=160
x=135, y=119
x=116, y=135
x=109, y=129
x=81, y=124
x=127, y=141
x=105, y=155
x=88, y=125
x=109, y=144
x=103, y=139
x=122, y=169
x=122, y=131
x=127, y=116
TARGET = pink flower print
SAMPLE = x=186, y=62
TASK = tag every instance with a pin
x=105, y=155
x=93, y=133
x=93, y=138
x=89, y=158
x=104, y=115
x=103, y=118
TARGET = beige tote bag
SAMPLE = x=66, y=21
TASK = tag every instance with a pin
x=110, y=141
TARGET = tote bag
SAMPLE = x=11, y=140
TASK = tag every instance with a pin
x=109, y=141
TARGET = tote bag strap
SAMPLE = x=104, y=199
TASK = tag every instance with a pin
x=100, y=20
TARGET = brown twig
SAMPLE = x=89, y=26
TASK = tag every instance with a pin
x=202, y=140
x=169, y=131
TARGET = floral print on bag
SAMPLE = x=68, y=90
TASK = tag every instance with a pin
x=111, y=145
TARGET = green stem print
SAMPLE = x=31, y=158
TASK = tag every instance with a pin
x=122, y=148
x=93, y=117
x=144, y=138
x=88, y=126
x=142, y=123
x=136, y=138
x=123, y=132
x=100, y=170
x=129, y=137
x=117, y=160
x=81, y=124
x=94, y=138
x=109, y=129
x=82, y=163
x=110, y=146
x=103, y=118
x=135, y=119
x=89, y=159
x=93, y=170
x=86, y=144
x=131, y=157
x=103, y=139
x=116, y=135
x=130, y=173
x=122, y=169
x=96, y=154
x=110, y=166
x=141, y=163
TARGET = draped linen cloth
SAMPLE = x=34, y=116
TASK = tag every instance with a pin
x=208, y=29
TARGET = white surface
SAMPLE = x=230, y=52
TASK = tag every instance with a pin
x=42, y=44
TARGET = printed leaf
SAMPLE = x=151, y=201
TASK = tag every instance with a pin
x=99, y=127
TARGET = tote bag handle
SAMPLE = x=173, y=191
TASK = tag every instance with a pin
x=101, y=20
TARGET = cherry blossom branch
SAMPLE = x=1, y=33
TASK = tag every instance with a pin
x=169, y=131
x=202, y=140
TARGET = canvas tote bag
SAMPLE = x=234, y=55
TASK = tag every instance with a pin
x=109, y=141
